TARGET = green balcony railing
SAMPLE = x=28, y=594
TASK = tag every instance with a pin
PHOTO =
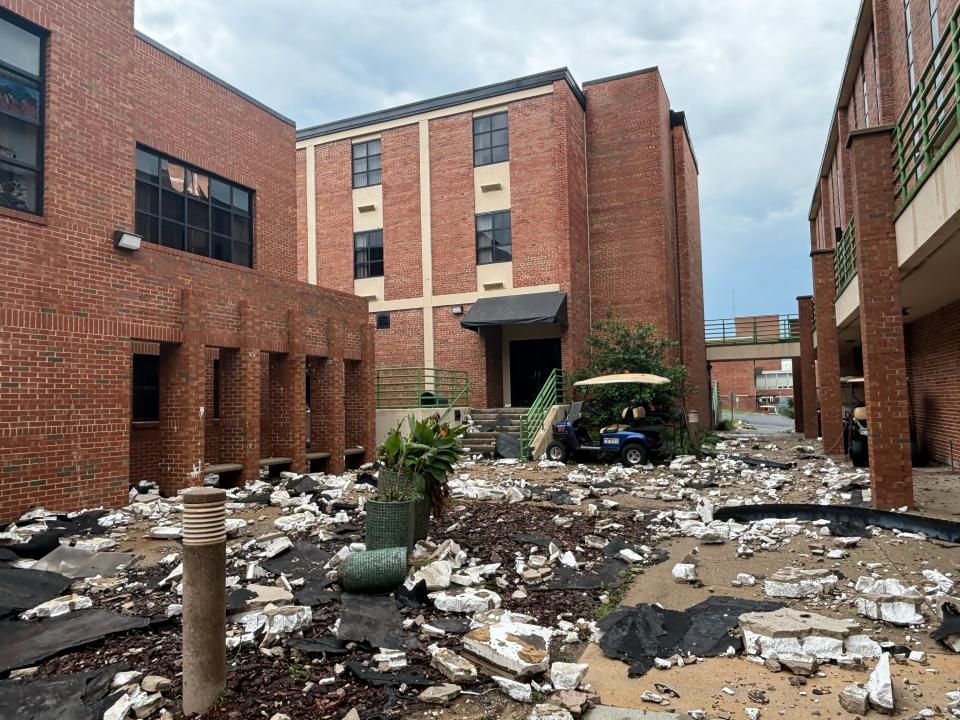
x=749, y=330
x=550, y=394
x=845, y=258
x=930, y=124
x=421, y=387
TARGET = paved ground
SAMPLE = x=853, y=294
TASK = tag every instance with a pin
x=767, y=424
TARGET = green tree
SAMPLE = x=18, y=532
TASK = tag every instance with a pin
x=616, y=347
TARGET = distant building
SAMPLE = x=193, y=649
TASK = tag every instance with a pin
x=753, y=385
x=885, y=244
x=490, y=227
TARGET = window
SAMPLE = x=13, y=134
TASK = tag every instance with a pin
x=21, y=114
x=145, y=405
x=866, y=95
x=181, y=207
x=494, y=243
x=368, y=254
x=366, y=164
x=934, y=24
x=491, y=142
x=908, y=25
x=383, y=321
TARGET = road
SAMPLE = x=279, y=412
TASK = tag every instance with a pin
x=766, y=424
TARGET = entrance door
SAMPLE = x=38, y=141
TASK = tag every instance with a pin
x=530, y=364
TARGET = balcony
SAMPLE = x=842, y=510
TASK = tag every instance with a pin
x=845, y=258
x=753, y=337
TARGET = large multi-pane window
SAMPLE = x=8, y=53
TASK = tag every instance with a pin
x=366, y=163
x=491, y=139
x=368, y=254
x=494, y=243
x=181, y=207
x=21, y=114
x=934, y=24
x=145, y=389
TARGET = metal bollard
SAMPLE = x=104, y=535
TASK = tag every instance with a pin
x=204, y=598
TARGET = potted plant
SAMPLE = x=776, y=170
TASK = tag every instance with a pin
x=390, y=517
x=421, y=460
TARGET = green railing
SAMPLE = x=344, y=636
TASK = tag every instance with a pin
x=550, y=394
x=753, y=330
x=845, y=258
x=421, y=387
x=930, y=124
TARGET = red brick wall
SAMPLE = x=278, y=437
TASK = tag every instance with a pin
x=302, y=265
x=402, y=344
x=460, y=349
x=403, y=272
x=452, y=225
x=693, y=347
x=72, y=304
x=739, y=377
x=933, y=346
x=628, y=223
x=334, y=191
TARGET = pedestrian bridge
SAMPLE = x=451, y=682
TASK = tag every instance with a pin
x=760, y=337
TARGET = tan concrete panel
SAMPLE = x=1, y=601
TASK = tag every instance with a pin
x=368, y=219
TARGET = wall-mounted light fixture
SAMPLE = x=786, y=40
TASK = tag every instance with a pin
x=457, y=309
x=126, y=240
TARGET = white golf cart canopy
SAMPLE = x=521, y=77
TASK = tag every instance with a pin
x=624, y=379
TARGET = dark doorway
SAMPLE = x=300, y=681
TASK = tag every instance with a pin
x=530, y=364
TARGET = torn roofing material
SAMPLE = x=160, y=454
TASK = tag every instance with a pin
x=521, y=309
x=845, y=515
x=25, y=643
x=645, y=632
x=22, y=589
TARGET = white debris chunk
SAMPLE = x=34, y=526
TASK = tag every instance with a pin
x=58, y=606
x=880, y=686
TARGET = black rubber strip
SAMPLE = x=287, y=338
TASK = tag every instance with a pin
x=845, y=515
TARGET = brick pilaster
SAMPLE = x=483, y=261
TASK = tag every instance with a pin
x=288, y=397
x=881, y=320
x=182, y=392
x=240, y=399
x=808, y=371
x=328, y=399
x=795, y=368
x=367, y=392
x=828, y=352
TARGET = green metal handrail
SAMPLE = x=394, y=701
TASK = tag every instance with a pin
x=930, y=124
x=550, y=394
x=420, y=387
x=753, y=330
x=845, y=258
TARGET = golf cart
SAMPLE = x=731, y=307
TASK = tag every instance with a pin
x=636, y=439
x=855, y=423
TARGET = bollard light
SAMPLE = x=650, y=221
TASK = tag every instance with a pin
x=204, y=598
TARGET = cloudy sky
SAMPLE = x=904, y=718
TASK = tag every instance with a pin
x=758, y=80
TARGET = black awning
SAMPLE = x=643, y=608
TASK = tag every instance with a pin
x=545, y=307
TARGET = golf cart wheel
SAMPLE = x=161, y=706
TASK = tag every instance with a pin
x=633, y=455
x=557, y=452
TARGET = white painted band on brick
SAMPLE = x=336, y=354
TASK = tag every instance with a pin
x=204, y=524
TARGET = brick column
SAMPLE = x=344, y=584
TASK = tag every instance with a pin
x=828, y=352
x=328, y=399
x=182, y=386
x=288, y=397
x=808, y=370
x=240, y=375
x=795, y=368
x=367, y=392
x=881, y=320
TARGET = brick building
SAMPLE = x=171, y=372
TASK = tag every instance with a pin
x=489, y=228
x=756, y=385
x=885, y=245
x=120, y=363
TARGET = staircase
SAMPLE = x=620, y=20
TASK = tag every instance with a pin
x=487, y=423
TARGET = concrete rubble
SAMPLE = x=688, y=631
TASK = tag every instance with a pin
x=474, y=618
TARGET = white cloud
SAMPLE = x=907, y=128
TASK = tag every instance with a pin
x=757, y=79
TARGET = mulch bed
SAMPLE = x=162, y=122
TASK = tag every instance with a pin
x=259, y=685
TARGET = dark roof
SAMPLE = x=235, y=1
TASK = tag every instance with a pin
x=222, y=83
x=679, y=117
x=521, y=309
x=620, y=76
x=445, y=101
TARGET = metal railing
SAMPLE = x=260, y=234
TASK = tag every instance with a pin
x=420, y=387
x=550, y=394
x=930, y=124
x=753, y=330
x=845, y=258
